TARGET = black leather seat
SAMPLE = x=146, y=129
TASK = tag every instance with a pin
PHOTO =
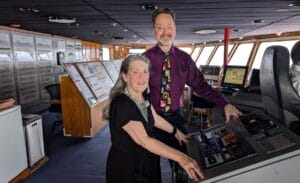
x=280, y=99
x=55, y=102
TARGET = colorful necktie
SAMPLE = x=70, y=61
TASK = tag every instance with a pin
x=165, y=102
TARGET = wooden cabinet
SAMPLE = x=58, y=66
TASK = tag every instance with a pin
x=79, y=118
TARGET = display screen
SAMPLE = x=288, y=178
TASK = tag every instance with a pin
x=234, y=76
x=210, y=72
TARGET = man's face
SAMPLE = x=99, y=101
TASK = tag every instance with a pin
x=164, y=29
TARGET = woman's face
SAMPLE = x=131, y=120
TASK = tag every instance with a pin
x=137, y=77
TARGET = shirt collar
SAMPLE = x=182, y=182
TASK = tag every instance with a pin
x=172, y=50
x=146, y=103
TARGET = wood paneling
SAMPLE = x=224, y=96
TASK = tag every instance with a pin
x=79, y=119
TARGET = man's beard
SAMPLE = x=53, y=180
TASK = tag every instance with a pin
x=169, y=43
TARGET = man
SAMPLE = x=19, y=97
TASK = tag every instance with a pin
x=171, y=69
x=295, y=68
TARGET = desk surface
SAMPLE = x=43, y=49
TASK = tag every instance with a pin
x=246, y=100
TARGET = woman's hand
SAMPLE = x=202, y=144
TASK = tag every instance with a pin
x=181, y=137
x=191, y=167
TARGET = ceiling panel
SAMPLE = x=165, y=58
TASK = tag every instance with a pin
x=103, y=21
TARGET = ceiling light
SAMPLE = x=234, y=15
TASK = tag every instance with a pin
x=149, y=7
x=236, y=30
x=35, y=10
x=294, y=4
x=15, y=25
x=114, y=24
x=279, y=33
x=241, y=37
x=29, y=10
x=125, y=30
x=108, y=36
x=282, y=10
x=206, y=31
x=257, y=21
x=62, y=20
x=97, y=32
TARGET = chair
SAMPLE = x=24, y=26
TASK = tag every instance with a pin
x=279, y=97
x=202, y=108
x=55, y=102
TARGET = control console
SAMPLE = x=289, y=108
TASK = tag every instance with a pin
x=221, y=145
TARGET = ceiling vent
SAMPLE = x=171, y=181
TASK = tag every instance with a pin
x=62, y=20
x=118, y=37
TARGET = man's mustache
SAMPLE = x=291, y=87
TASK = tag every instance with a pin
x=166, y=35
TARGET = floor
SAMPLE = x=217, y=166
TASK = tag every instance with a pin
x=77, y=160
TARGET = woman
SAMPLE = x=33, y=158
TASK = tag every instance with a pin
x=134, y=154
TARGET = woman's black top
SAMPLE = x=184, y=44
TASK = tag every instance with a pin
x=126, y=158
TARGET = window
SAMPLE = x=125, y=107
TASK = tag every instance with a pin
x=195, y=53
x=218, y=58
x=188, y=50
x=204, y=55
x=265, y=45
x=105, y=52
x=136, y=50
x=241, y=55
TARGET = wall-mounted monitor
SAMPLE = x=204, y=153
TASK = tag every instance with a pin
x=210, y=72
x=234, y=76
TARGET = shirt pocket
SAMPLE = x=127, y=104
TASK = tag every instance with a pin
x=182, y=72
x=182, y=75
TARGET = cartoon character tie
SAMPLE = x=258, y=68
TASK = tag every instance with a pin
x=165, y=102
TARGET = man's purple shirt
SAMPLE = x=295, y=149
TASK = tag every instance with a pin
x=183, y=71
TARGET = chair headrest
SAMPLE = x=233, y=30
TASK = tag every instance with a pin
x=276, y=64
x=53, y=90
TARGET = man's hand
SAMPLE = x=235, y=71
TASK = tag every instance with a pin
x=231, y=111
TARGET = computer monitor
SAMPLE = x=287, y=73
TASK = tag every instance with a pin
x=210, y=72
x=234, y=76
x=254, y=79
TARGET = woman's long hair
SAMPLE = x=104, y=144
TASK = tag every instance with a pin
x=120, y=84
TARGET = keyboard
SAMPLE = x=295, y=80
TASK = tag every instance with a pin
x=275, y=143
